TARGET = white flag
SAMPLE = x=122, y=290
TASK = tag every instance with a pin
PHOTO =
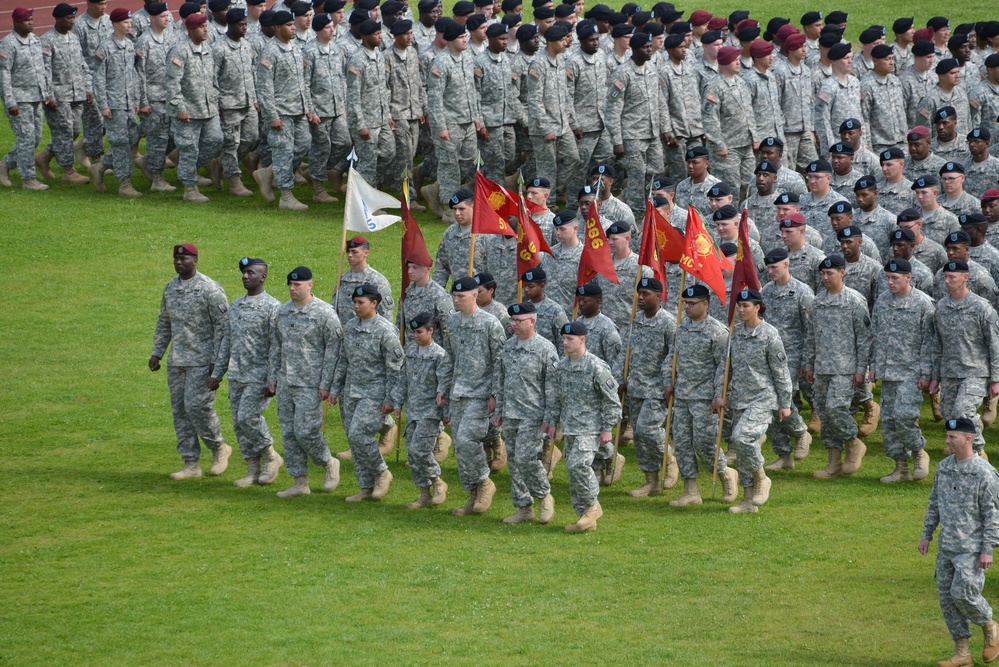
x=362, y=201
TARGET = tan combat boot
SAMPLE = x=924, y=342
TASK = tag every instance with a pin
x=265, y=179
x=319, y=194
x=672, y=473
x=484, y=496
x=872, y=415
x=899, y=474
x=191, y=470
x=547, y=512
x=142, y=162
x=834, y=468
x=43, y=164
x=302, y=176
x=731, y=455
x=991, y=649
x=466, y=509
x=270, y=464
x=522, y=515
x=783, y=462
x=814, y=423
x=619, y=461
x=550, y=457
x=935, y=406
x=35, y=184
x=220, y=459
x=988, y=413
x=432, y=195
x=236, y=187
x=761, y=487
x=423, y=501
x=447, y=217
x=386, y=441
x=442, y=446
x=71, y=177
x=204, y=181
x=362, y=494
x=691, y=496
x=289, y=203
x=252, y=472
x=5, y=174
x=416, y=207
x=438, y=492
x=335, y=176
x=855, y=450
x=172, y=159
x=381, y=484
x=628, y=434
x=126, y=190
x=80, y=152
x=496, y=455
x=730, y=484
x=215, y=173
x=920, y=465
x=650, y=488
x=588, y=521
x=299, y=488
x=345, y=455
x=802, y=445
x=746, y=506
x=251, y=161
x=159, y=184
x=331, y=475
x=192, y=195
x=962, y=655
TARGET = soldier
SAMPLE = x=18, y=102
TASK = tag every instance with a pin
x=693, y=190
x=984, y=99
x=964, y=495
x=424, y=31
x=835, y=362
x=895, y=190
x=192, y=101
x=586, y=406
x=358, y=249
x=726, y=221
x=603, y=336
x=851, y=131
x=586, y=70
x=305, y=350
x=616, y=301
x=982, y=171
x=25, y=87
x=699, y=352
x=794, y=80
x=917, y=80
x=953, y=198
x=238, y=107
x=947, y=145
x=562, y=266
x=804, y=258
x=876, y=221
x=474, y=349
x=787, y=203
x=760, y=204
x=500, y=106
x=926, y=250
x=938, y=222
x=551, y=316
x=980, y=281
x=455, y=116
x=904, y=345
x=679, y=77
x=528, y=42
x=921, y=160
x=882, y=102
x=142, y=19
x=244, y=354
x=192, y=318
x=946, y=93
x=407, y=103
x=453, y=253
x=93, y=29
x=707, y=64
x=765, y=90
x=844, y=175
x=901, y=48
x=368, y=113
x=72, y=88
x=838, y=98
x=151, y=50
x=286, y=107
x=416, y=387
x=862, y=271
x=423, y=295
x=116, y=94
x=649, y=338
x=815, y=204
x=788, y=180
x=524, y=397
x=729, y=126
x=975, y=225
x=841, y=217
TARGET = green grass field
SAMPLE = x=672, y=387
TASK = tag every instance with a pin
x=108, y=562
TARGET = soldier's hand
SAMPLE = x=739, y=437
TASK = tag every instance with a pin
x=441, y=399
x=90, y=98
x=256, y=107
x=984, y=561
x=491, y=405
x=14, y=110
x=444, y=135
x=482, y=133
x=146, y=110
x=923, y=384
x=578, y=132
x=934, y=386
x=668, y=391
x=548, y=430
x=756, y=146
x=324, y=394
x=622, y=389
x=783, y=414
x=277, y=124
x=717, y=405
x=106, y=113
x=184, y=117
x=397, y=413
x=213, y=384
x=154, y=363
x=872, y=376
x=498, y=421
x=722, y=153
x=332, y=399
x=809, y=377
x=670, y=139
x=391, y=123
x=858, y=380
x=51, y=104
x=365, y=134
x=424, y=120
x=605, y=437
x=386, y=409
x=993, y=389
x=314, y=120
x=618, y=150
x=270, y=389
x=924, y=546
x=551, y=136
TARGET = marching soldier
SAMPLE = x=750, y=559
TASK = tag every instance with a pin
x=407, y=104
x=838, y=98
x=804, y=258
x=324, y=71
x=982, y=171
x=562, y=266
x=894, y=190
x=500, y=106
x=361, y=273
x=94, y=28
x=453, y=252
x=151, y=50
x=729, y=123
x=587, y=74
x=368, y=114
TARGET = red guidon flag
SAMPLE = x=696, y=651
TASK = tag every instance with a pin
x=700, y=257
x=596, y=256
x=530, y=241
x=744, y=274
x=661, y=243
x=414, y=247
x=493, y=205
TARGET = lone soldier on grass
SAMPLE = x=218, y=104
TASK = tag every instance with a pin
x=192, y=322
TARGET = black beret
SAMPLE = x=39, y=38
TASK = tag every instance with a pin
x=958, y=238
x=898, y=266
x=961, y=425
x=902, y=25
x=622, y=30
x=574, y=328
x=946, y=65
x=729, y=249
x=772, y=141
x=604, y=170
x=463, y=8
x=696, y=152
x=748, y=34
x=639, y=39
x=586, y=191
x=923, y=47
x=711, y=36
x=222, y=5
x=719, y=189
x=401, y=27
x=840, y=207
x=563, y=11
x=367, y=290
x=696, y=292
x=357, y=17
x=850, y=124
x=586, y=27
x=427, y=6
x=466, y=284
x=980, y=133
x=654, y=29
x=881, y=51
x=737, y=16
x=925, y=182
x=523, y=308
x=331, y=6
x=819, y=166
x=726, y=212
x=992, y=60
x=300, y=273
x=247, y=262
x=475, y=21
x=662, y=182
x=619, y=228
x=776, y=255
x=850, y=232
x=680, y=28
x=370, y=27
x=956, y=266
x=421, y=320
x=564, y=217
x=938, y=23
x=865, y=183
x=659, y=200
x=957, y=40
x=319, y=21
x=650, y=284
x=267, y=17
x=972, y=219
x=526, y=32
x=750, y=295
x=300, y=8
x=785, y=198
x=872, y=34
x=839, y=51
x=484, y=279
x=511, y=20
x=835, y=18
x=833, y=262
x=535, y=275
x=808, y=18
x=544, y=13
x=674, y=41
x=497, y=29
x=893, y=153
x=829, y=39
x=903, y=235
x=589, y=289
x=841, y=148
x=944, y=112
x=952, y=168
x=460, y=195
x=909, y=215
x=540, y=182
x=62, y=9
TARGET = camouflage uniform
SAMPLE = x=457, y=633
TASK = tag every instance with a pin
x=963, y=204
x=407, y=104
x=904, y=345
x=520, y=62
x=936, y=98
x=699, y=352
x=984, y=102
x=618, y=297
x=835, y=102
x=454, y=106
x=963, y=503
x=524, y=398
x=585, y=404
x=191, y=88
x=550, y=111
x=151, y=52
x=140, y=24
x=192, y=321
x=416, y=387
x=877, y=225
x=955, y=150
x=343, y=297
x=331, y=141
x=915, y=85
x=799, y=120
x=684, y=102
x=913, y=169
x=937, y=224
x=980, y=176
x=765, y=93
x=245, y=355
x=562, y=267
x=71, y=81
x=882, y=108
x=283, y=93
x=304, y=354
x=729, y=123
x=789, y=311
x=368, y=108
x=896, y=197
x=587, y=79
x=931, y=253
x=987, y=257
x=92, y=33
x=816, y=211
x=689, y=193
x=370, y=361
x=452, y=254
x=431, y=298
x=804, y=265
x=25, y=83
x=498, y=310
x=844, y=185
x=474, y=347
x=501, y=110
x=551, y=317
x=602, y=338
x=500, y=259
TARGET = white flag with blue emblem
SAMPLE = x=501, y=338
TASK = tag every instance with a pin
x=362, y=202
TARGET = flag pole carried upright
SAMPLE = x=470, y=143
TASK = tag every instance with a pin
x=520, y=203
x=352, y=158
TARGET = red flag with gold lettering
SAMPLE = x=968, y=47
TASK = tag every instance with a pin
x=530, y=241
x=700, y=257
x=493, y=205
x=744, y=274
x=661, y=243
x=596, y=256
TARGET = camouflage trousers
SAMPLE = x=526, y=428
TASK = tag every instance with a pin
x=421, y=436
x=528, y=477
x=240, y=135
x=594, y=148
x=300, y=412
x=64, y=126
x=676, y=159
x=833, y=396
x=959, y=587
x=736, y=168
x=584, y=489
x=362, y=421
x=557, y=161
x=123, y=133
x=643, y=159
x=247, y=404
x=695, y=432
x=900, y=403
x=748, y=425
x=375, y=155
x=263, y=146
x=156, y=128
x=455, y=159
x=27, y=127
x=93, y=131
x=525, y=149
x=193, y=407
x=781, y=432
x=499, y=153
x=407, y=138
x=799, y=150
x=961, y=397
x=425, y=149
x=330, y=146
x=648, y=415
x=199, y=140
x=469, y=426
x=288, y=147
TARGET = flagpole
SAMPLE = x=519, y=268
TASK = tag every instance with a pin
x=721, y=412
x=672, y=382
x=402, y=310
x=343, y=238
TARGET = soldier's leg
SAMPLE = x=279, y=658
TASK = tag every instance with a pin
x=448, y=171
x=648, y=416
x=908, y=401
x=584, y=489
x=781, y=432
x=966, y=589
x=186, y=137
x=525, y=148
x=296, y=459
x=93, y=131
x=566, y=162
x=726, y=168
x=511, y=163
x=427, y=149
x=585, y=148
x=545, y=159
x=945, y=573
x=320, y=148
x=209, y=140
x=300, y=141
x=895, y=448
x=833, y=394
x=421, y=436
x=264, y=147
x=683, y=438
x=706, y=435
x=119, y=137
x=252, y=433
x=634, y=161
x=362, y=434
x=405, y=135
x=676, y=164
x=747, y=164
x=308, y=426
x=187, y=436
x=340, y=142
x=468, y=426
x=233, y=122
x=63, y=133
x=970, y=394
x=491, y=152
x=282, y=150
x=516, y=457
x=26, y=139
x=386, y=155
x=249, y=134
x=467, y=151
x=747, y=428
x=157, y=131
x=199, y=403
x=791, y=142
x=532, y=471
